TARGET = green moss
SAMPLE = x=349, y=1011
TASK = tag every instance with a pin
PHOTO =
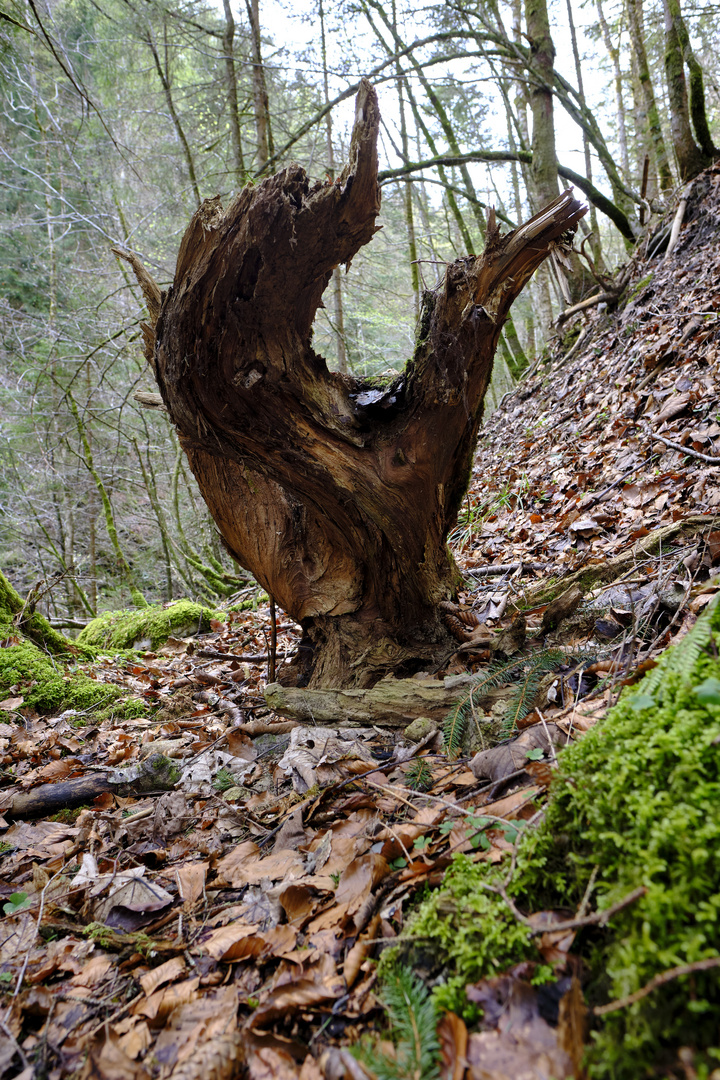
x=44, y=683
x=147, y=627
x=638, y=288
x=637, y=798
x=251, y=604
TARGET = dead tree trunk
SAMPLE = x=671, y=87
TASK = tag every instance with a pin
x=336, y=493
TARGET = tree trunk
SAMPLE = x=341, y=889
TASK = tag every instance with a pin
x=652, y=117
x=263, y=129
x=690, y=158
x=544, y=163
x=337, y=493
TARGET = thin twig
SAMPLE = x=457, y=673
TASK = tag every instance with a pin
x=598, y=918
x=657, y=980
x=273, y=642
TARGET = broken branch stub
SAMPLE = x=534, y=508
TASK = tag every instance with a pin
x=336, y=493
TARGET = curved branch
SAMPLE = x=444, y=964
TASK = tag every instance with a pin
x=604, y=205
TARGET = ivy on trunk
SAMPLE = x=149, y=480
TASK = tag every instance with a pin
x=337, y=493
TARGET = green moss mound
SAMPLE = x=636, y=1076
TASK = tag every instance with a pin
x=45, y=685
x=146, y=627
x=639, y=798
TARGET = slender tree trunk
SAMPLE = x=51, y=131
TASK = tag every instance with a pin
x=698, y=112
x=228, y=44
x=407, y=190
x=179, y=130
x=652, y=116
x=123, y=565
x=263, y=127
x=338, y=495
x=595, y=244
x=614, y=53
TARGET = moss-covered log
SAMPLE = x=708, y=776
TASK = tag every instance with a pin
x=148, y=627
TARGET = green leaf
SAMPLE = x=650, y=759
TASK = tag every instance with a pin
x=537, y=754
x=709, y=691
x=17, y=901
x=421, y=842
x=480, y=840
x=399, y=863
x=511, y=832
x=445, y=828
x=642, y=701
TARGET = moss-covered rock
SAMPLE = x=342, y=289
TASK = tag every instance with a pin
x=46, y=686
x=146, y=628
x=637, y=798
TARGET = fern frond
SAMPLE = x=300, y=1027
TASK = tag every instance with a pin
x=528, y=685
x=456, y=721
x=682, y=658
x=419, y=775
x=413, y=1029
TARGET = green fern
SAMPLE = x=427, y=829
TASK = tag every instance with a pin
x=419, y=775
x=528, y=673
x=682, y=658
x=497, y=674
x=527, y=686
x=413, y=1029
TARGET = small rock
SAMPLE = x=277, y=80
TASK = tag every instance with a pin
x=419, y=728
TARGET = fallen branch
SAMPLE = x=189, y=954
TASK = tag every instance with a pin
x=608, y=571
x=504, y=568
x=657, y=981
x=677, y=223
x=686, y=450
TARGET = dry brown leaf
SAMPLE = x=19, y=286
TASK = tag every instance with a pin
x=249, y=869
x=201, y=1022
x=297, y=988
x=523, y=1046
x=310, y=1070
x=165, y=973
x=136, y=1040
x=91, y=974
x=220, y=941
x=453, y=1038
x=159, y=1005
x=572, y=1024
x=268, y=1063
x=279, y=941
x=108, y=1061
x=360, y=950
x=216, y=1059
x=191, y=879
x=11, y=703
x=358, y=880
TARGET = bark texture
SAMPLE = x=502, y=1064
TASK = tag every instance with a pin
x=336, y=493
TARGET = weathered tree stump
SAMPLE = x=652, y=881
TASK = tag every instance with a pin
x=337, y=493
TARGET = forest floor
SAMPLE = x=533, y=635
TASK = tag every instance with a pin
x=232, y=919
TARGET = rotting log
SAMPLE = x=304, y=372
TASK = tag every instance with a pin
x=337, y=493
x=390, y=703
